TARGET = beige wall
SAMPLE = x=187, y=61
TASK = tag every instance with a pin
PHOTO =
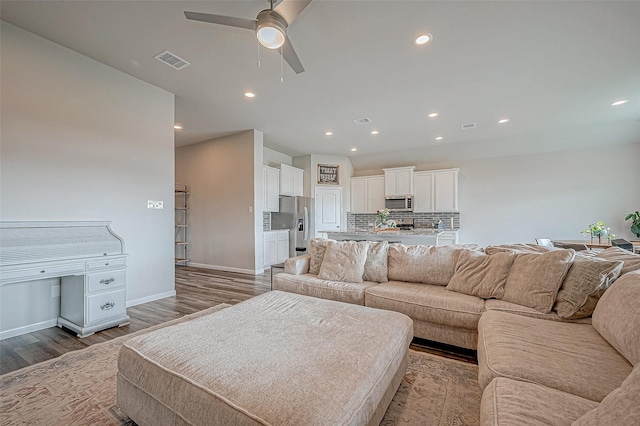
x=225, y=183
x=82, y=141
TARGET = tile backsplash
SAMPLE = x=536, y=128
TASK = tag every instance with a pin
x=421, y=220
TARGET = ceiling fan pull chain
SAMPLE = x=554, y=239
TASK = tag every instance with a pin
x=258, y=55
x=281, y=61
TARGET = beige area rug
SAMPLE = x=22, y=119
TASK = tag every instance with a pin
x=78, y=388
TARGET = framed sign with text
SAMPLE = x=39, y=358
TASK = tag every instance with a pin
x=328, y=174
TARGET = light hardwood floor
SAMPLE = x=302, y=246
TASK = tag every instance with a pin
x=196, y=289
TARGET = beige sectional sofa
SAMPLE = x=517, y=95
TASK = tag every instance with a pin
x=543, y=358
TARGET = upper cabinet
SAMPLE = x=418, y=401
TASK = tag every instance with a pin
x=271, y=188
x=436, y=191
x=367, y=194
x=291, y=180
x=398, y=181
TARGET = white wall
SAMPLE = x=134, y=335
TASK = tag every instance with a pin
x=274, y=158
x=550, y=195
x=225, y=183
x=82, y=141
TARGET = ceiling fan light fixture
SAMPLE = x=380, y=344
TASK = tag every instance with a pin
x=271, y=30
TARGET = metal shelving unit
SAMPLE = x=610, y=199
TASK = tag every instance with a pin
x=182, y=224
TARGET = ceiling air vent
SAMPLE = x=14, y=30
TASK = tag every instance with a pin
x=174, y=61
x=364, y=120
x=469, y=126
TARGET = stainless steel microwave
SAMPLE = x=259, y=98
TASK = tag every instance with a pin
x=402, y=203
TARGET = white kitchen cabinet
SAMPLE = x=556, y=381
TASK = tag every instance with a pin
x=271, y=188
x=398, y=181
x=435, y=191
x=291, y=181
x=446, y=190
x=276, y=247
x=447, y=238
x=423, y=192
x=367, y=194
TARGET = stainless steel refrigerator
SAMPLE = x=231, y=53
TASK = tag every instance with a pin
x=296, y=214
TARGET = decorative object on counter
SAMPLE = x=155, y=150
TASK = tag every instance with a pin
x=328, y=174
x=598, y=229
x=635, y=222
x=385, y=222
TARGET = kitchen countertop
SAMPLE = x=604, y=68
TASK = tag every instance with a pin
x=416, y=231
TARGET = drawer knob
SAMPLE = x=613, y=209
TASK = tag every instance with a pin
x=107, y=281
x=107, y=306
x=106, y=264
x=42, y=272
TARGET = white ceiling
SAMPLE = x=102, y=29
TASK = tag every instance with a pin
x=553, y=68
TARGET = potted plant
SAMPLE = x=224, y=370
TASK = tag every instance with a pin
x=635, y=222
x=598, y=229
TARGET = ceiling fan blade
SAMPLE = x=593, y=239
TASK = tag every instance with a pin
x=249, y=24
x=289, y=55
x=290, y=9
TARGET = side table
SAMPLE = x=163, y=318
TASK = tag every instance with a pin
x=276, y=269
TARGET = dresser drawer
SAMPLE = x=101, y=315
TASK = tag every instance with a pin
x=106, y=280
x=105, y=305
x=44, y=272
x=107, y=263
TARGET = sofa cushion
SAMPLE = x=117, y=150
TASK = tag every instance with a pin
x=507, y=402
x=375, y=267
x=617, y=316
x=478, y=274
x=572, y=358
x=535, y=279
x=317, y=248
x=311, y=285
x=514, y=308
x=631, y=260
x=431, y=303
x=518, y=248
x=585, y=283
x=422, y=264
x=620, y=407
x=344, y=261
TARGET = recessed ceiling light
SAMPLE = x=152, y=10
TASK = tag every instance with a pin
x=503, y=120
x=433, y=115
x=423, y=39
x=354, y=149
x=177, y=127
x=328, y=133
x=439, y=138
x=249, y=94
x=616, y=103
x=374, y=132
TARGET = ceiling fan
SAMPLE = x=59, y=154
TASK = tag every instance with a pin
x=270, y=26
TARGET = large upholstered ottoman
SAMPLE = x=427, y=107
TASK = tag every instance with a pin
x=276, y=359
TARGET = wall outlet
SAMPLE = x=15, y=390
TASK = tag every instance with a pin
x=155, y=204
x=55, y=291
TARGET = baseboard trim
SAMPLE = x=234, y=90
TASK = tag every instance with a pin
x=226, y=268
x=28, y=328
x=151, y=298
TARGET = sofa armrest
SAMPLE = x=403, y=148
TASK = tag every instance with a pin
x=298, y=265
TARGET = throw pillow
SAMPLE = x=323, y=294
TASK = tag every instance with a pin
x=535, y=279
x=617, y=317
x=518, y=248
x=620, y=407
x=375, y=267
x=317, y=248
x=422, y=264
x=344, y=261
x=586, y=281
x=481, y=275
x=631, y=260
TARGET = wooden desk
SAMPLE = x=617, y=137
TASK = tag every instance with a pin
x=602, y=245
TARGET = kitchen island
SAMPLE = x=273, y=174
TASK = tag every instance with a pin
x=426, y=236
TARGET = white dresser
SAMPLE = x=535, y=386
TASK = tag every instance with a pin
x=88, y=257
